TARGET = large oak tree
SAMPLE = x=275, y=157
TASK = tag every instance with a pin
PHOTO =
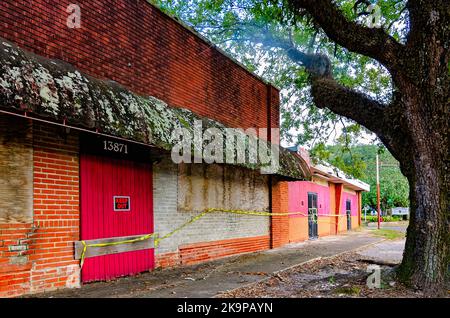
x=411, y=46
x=414, y=125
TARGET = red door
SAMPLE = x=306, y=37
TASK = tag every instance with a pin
x=102, y=179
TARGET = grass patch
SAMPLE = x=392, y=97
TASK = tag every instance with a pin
x=388, y=234
x=386, y=218
x=351, y=291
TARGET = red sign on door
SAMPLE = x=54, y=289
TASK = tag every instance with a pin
x=122, y=203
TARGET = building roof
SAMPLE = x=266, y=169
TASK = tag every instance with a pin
x=326, y=171
x=59, y=92
x=335, y=175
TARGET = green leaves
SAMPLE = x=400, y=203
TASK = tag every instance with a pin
x=237, y=26
x=359, y=161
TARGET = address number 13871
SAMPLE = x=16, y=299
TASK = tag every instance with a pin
x=115, y=147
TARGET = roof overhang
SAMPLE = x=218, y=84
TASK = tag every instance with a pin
x=58, y=92
x=334, y=175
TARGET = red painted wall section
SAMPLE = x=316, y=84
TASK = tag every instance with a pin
x=359, y=207
x=102, y=178
x=136, y=45
x=354, y=205
x=298, y=194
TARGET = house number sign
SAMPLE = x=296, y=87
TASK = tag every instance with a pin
x=116, y=147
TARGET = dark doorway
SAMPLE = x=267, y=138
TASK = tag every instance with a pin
x=313, y=230
x=348, y=209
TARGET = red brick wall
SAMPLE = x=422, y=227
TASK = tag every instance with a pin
x=133, y=43
x=207, y=251
x=14, y=260
x=274, y=111
x=280, y=224
x=165, y=260
x=202, y=252
x=44, y=249
x=56, y=207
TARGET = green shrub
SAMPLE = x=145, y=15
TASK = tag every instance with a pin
x=374, y=218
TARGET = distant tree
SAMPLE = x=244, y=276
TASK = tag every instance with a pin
x=359, y=161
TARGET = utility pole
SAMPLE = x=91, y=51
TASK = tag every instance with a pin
x=378, y=193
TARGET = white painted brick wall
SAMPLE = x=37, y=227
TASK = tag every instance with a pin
x=179, y=195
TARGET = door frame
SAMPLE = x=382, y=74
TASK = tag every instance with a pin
x=313, y=226
x=348, y=211
x=138, y=154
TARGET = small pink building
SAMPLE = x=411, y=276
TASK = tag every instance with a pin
x=328, y=204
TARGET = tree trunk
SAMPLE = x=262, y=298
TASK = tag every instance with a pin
x=414, y=126
x=426, y=165
x=425, y=260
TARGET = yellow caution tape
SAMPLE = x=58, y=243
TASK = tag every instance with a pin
x=195, y=218
x=138, y=239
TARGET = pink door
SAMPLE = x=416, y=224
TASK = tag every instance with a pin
x=116, y=200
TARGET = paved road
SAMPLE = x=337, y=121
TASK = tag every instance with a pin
x=210, y=279
x=388, y=252
x=396, y=226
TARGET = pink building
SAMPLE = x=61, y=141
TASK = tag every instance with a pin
x=330, y=203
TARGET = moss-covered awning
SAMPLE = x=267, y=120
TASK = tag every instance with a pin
x=59, y=92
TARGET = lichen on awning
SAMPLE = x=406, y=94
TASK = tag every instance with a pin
x=58, y=91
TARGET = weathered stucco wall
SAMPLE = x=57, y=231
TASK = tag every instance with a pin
x=216, y=186
x=182, y=192
x=16, y=170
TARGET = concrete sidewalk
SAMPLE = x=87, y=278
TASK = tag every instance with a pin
x=210, y=279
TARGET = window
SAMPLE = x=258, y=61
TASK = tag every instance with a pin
x=348, y=206
x=312, y=200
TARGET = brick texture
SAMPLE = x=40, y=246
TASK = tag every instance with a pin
x=180, y=193
x=280, y=224
x=190, y=254
x=133, y=43
x=39, y=256
x=201, y=252
x=14, y=265
x=136, y=45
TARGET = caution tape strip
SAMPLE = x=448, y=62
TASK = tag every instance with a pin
x=192, y=220
x=85, y=246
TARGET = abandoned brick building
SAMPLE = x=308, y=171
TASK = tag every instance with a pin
x=86, y=116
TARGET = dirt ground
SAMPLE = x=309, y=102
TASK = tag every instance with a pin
x=213, y=278
x=341, y=276
x=333, y=266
